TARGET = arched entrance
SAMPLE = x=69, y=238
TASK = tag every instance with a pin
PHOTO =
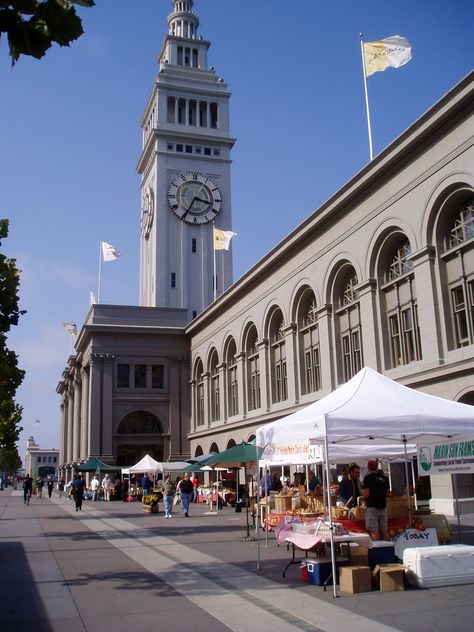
x=139, y=433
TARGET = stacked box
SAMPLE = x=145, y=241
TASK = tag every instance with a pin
x=355, y=579
x=356, y=554
x=382, y=552
x=389, y=577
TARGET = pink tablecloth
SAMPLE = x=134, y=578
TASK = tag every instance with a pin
x=306, y=541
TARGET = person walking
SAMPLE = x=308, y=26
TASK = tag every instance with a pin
x=27, y=489
x=39, y=487
x=61, y=487
x=78, y=487
x=50, y=486
x=168, y=495
x=185, y=488
x=375, y=488
x=106, y=486
x=94, y=487
x=147, y=485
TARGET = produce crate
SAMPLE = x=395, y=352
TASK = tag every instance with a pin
x=397, y=506
x=282, y=504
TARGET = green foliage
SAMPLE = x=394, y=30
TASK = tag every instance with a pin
x=32, y=26
x=10, y=375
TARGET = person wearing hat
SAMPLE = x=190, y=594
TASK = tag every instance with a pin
x=375, y=488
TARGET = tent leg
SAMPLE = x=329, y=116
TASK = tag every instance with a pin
x=331, y=526
x=456, y=500
x=407, y=482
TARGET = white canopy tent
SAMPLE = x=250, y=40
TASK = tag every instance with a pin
x=172, y=466
x=147, y=464
x=368, y=408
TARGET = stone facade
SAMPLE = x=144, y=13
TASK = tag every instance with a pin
x=382, y=275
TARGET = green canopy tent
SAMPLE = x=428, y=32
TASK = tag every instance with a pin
x=238, y=456
x=96, y=465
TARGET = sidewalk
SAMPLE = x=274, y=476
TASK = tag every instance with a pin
x=111, y=567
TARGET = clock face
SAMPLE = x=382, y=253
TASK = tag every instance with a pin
x=148, y=209
x=194, y=198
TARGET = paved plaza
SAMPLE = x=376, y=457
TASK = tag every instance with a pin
x=113, y=568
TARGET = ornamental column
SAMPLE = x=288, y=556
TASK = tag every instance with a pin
x=84, y=449
x=292, y=383
x=428, y=313
x=367, y=292
x=76, y=419
x=70, y=426
x=265, y=387
x=241, y=384
x=326, y=347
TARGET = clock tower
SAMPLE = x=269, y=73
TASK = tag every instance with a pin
x=185, y=173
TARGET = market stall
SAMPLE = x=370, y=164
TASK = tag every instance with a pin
x=370, y=409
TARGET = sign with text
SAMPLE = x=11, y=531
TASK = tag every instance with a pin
x=414, y=537
x=449, y=457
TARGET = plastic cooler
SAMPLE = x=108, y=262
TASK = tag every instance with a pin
x=320, y=570
x=382, y=552
x=447, y=565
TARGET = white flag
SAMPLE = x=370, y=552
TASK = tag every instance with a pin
x=109, y=253
x=222, y=238
x=92, y=298
x=70, y=327
x=392, y=52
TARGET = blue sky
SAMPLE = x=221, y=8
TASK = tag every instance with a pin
x=70, y=141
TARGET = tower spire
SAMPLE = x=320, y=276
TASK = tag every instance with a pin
x=183, y=22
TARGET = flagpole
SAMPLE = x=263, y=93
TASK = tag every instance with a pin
x=100, y=270
x=369, y=127
x=214, y=279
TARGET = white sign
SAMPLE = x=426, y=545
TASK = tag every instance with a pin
x=414, y=537
x=451, y=457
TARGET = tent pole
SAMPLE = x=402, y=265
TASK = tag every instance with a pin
x=407, y=480
x=413, y=482
x=456, y=500
x=257, y=511
x=331, y=526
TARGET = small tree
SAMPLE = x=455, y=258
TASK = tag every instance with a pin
x=32, y=26
x=10, y=375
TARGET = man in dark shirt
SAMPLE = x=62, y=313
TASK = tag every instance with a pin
x=375, y=487
x=349, y=488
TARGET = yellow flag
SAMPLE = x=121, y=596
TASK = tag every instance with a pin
x=392, y=52
x=222, y=238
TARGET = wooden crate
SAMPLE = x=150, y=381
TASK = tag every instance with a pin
x=282, y=504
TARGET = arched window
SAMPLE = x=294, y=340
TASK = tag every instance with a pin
x=308, y=342
x=199, y=403
x=278, y=357
x=232, y=379
x=459, y=269
x=400, y=264
x=348, y=322
x=462, y=228
x=214, y=448
x=140, y=422
x=230, y=444
x=253, y=369
x=400, y=303
x=215, y=387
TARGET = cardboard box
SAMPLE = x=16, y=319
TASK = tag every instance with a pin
x=355, y=579
x=357, y=555
x=389, y=577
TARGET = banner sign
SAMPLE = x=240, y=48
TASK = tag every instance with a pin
x=452, y=457
x=414, y=537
